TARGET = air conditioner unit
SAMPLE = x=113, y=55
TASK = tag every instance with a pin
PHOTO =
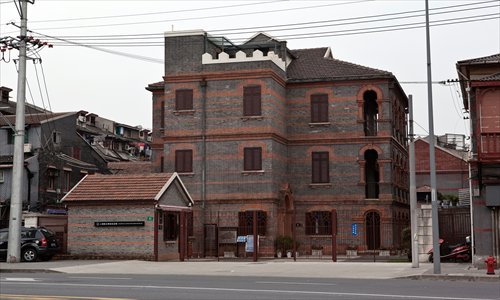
x=28, y=148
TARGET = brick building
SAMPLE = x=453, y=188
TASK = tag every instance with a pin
x=452, y=170
x=480, y=83
x=292, y=134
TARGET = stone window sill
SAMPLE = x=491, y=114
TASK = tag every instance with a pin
x=320, y=185
x=187, y=174
x=320, y=124
x=184, y=112
x=256, y=172
x=248, y=118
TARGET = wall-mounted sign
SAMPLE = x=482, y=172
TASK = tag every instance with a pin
x=118, y=223
x=149, y=218
x=241, y=239
x=227, y=235
x=354, y=228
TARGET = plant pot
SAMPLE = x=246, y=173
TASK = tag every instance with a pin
x=279, y=254
x=289, y=254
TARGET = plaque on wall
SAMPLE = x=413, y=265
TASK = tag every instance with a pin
x=227, y=235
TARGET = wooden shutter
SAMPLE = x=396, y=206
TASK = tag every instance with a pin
x=320, y=167
x=319, y=108
x=184, y=161
x=252, y=101
x=252, y=159
x=183, y=99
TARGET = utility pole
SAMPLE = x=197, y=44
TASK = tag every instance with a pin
x=413, y=191
x=16, y=202
x=432, y=154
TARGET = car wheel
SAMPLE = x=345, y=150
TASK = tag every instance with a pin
x=29, y=254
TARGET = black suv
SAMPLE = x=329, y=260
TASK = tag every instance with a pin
x=35, y=243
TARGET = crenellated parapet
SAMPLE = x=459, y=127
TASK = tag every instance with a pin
x=241, y=56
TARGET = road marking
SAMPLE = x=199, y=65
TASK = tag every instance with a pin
x=82, y=277
x=38, y=297
x=247, y=290
x=19, y=279
x=294, y=283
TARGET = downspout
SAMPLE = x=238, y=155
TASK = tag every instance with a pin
x=203, y=86
x=30, y=175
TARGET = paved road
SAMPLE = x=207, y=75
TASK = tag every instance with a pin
x=137, y=286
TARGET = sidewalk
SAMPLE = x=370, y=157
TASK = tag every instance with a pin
x=271, y=268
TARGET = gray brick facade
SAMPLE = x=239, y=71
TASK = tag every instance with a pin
x=287, y=137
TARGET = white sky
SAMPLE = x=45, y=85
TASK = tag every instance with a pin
x=113, y=86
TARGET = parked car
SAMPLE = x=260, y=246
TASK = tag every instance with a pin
x=35, y=243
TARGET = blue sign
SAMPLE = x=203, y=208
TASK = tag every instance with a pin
x=354, y=230
x=249, y=244
x=241, y=239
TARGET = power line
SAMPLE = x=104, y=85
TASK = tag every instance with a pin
x=356, y=31
x=157, y=13
x=205, y=17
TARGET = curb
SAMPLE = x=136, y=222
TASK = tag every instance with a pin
x=28, y=271
x=453, y=278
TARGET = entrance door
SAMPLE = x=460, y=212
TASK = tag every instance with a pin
x=210, y=240
x=372, y=223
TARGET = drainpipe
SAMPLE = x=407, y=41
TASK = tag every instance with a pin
x=203, y=86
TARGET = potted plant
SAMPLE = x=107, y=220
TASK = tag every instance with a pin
x=352, y=250
x=316, y=250
x=282, y=244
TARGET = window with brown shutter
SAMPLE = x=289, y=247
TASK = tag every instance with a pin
x=245, y=222
x=183, y=99
x=320, y=167
x=319, y=223
x=184, y=161
x=319, y=108
x=252, y=159
x=252, y=101
x=162, y=115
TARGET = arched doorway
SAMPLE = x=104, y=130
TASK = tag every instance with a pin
x=372, y=226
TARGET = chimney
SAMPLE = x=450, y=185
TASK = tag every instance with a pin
x=5, y=94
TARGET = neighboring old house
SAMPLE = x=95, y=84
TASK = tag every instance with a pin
x=452, y=171
x=480, y=83
x=293, y=137
x=56, y=158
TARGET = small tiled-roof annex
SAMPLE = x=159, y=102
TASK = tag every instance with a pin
x=495, y=58
x=118, y=187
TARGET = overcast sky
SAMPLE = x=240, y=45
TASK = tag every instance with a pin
x=111, y=81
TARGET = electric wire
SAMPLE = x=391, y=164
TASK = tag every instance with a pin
x=157, y=12
x=204, y=17
x=357, y=31
x=270, y=28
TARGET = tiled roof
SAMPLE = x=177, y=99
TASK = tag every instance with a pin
x=311, y=64
x=495, y=58
x=32, y=119
x=118, y=187
x=494, y=77
x=131, y=167
x=156, y=86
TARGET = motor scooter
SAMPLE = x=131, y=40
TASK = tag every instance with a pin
x=458, y=252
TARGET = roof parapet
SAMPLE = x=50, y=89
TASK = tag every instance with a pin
x=241, y=56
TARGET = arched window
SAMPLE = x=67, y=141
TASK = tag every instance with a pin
x=372, y=174
x=370, y=108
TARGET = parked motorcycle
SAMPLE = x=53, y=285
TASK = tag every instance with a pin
x=459, y=252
